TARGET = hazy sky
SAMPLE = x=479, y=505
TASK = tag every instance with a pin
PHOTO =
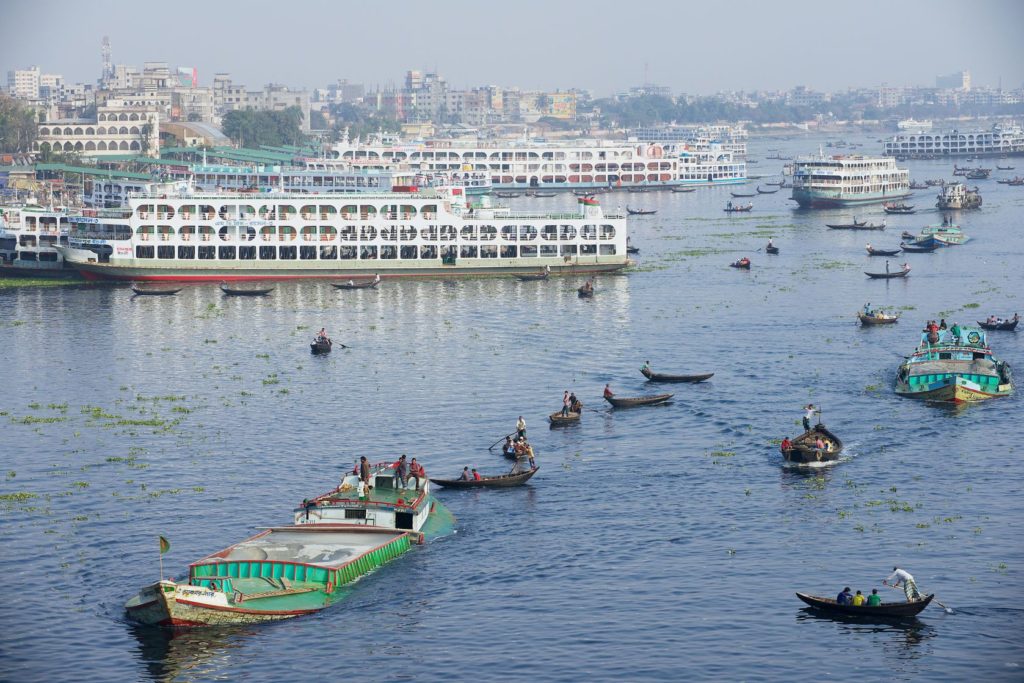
x=605, y=46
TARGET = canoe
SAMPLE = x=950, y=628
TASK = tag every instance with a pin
x=559, y=419
x=147, y=291
x=898, y=610
x=856, y=226
x=684, y=189
x=533, y=277
x=488, y=482
x=888, y=276
x=235, y=291
x=319, y=347
x=743, y=194
x=584, y=293
x=1003, y=325
x=803, y=450
x=632, y=250
x=740, y=264
x=917, y=249
x=507, y=195
x=760, y=191
x=876, y=320
x=356, y=284
x=771, y=250
x=641, y=212
x=661, y=377
x=543, y=194
x=899, y=210
x=638, y=400
x=882, y=252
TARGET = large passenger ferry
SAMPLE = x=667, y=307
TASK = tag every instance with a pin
x=577, y=165
x=837, y=181
x=999, y=140
x=251, y=236
x=29, y=235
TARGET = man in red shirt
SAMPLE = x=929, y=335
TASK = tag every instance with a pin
x=417, y=472
x=476, y=476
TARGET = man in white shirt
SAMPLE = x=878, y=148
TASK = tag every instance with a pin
x=899, y=576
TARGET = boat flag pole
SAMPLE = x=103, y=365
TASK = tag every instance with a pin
x=164, y=546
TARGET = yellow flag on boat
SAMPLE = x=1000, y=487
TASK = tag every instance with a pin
x=165, y=545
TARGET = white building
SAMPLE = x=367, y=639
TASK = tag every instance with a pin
x=119, y=128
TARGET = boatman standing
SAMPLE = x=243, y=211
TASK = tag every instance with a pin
x=521, y=427
x=902, y=576
x=808, y=414
x=608, y=391
x=646, y=369
x=566, y=404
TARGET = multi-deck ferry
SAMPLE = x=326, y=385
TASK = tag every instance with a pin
x=252, y=236
x=999, y=140
x=955, y=368
x=29, y=235
x=578, y=165
x=838, y=181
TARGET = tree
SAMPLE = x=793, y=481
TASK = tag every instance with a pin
x=18, y=127
x=273, y=128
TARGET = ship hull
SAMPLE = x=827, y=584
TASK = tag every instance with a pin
x=951, y=390
x=812, y=200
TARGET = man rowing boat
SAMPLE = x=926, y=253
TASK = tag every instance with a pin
x=899, y=576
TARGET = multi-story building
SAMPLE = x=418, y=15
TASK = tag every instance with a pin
x=961, y=80
x=118, y=128
x=23, y=84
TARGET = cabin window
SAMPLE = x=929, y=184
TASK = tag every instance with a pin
x=307, y=253
x=247, y=253
x=388, y=252
x=368, y=253
x=526, y=251
x=508, y=251
x=144, y=251
x=468, y=252
x=347, y=253
x=489, y=251
x=165, y=251
x=330, y=252
x=186, y=252
x=355, y=514
x=549, y=250
x=226, y=253
x=550, y=232
x=206, y=253
x=607, y=250
x=408, y=252
x=287, y=253
x=268, y=253
x=428, y=252
x=31, y=255
x=588, y=249
x=47, y=256
x=568, y=249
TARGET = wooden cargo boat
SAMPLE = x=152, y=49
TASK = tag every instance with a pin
x=918, y=248
x=804, y=450
x=641, y=212
x=560, y=419
x=743, y=263
x=771, y=250
x=857, y=226
x=1007, y=325
x=246, y=291
x=533, y=277
x=954, y=368
x=881, y=252
x=498, y=481
x=156, y=291
x=884, y=276
x=320, y=346
x=890, y=610
x=878, y=318
x=661, y=377
x=638, y=400
x=729, y=208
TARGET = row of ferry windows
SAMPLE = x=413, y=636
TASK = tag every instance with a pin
x=366, y=253
x=272, y=212
x=368, y=233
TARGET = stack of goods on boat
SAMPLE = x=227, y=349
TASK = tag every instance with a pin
x=954, y=365
x=289, y=571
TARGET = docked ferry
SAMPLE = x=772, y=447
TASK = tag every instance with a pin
x=999, y=140
x=197, y=237
x=289, y=571
x=29, y=237
x=840, y=181
x=955, y=369
x=575, y=165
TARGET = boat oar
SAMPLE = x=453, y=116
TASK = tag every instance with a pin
x=491, y=447
x=949, y=610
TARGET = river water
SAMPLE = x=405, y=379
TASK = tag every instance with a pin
x=655, y=543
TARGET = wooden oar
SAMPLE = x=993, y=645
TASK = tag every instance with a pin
x=491, y=447
x=949, y=610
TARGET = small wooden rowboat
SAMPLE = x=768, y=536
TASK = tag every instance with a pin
x=357, y=284
x=641, y=212
x=661, y=377
x=771, y=250
x=245, y=291
x=638, y=400
x=739, y=195
x=632, y=249
x=918, y=249
x=676, y=188
x=803, y=449
x=559, y=419
x=320, y=346
x=856, y=226
x=891, y=610
x=886, y=276
x=878, y=319
x=882, y=252
x=155, y=291
x=488, y=482
x=742, y=263
x=760, y=191
x=738, y=209
x=1003, y=325
x=533, y=277
x=585, y=292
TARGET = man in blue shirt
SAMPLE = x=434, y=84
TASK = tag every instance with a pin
x=844, y=597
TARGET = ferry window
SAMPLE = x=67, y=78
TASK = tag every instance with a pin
x=368, y=233
x=249, y=234
x=447, y=232
x=247, y=253
x=550, y=232
x=526, y=251
x=408, y=252
x=348, y=233
x=489, y=251
x=549, y=250
x=286, y=253
x=589, y=232
x=508, y=251
x=508, y=233
x=607, y=232
x=429, y=233
x=355, y=514
x=588, y=249
x=328, y=252
x=187, y=252
x=468, y=232
x=607, y=250
x=388, y=252
x=488, y=232
x=527, y=232
x=428, y=252
x=31, y=255
x=225, y=253
x=568, y=249
x=143, y=251
x=368, y=253
x=389, y=233
x=225, y=233
x=347, y=253
x=165, y=251
x=307, y=253
x=567, y=232
x=468, y=252
x=48, y=256
x=206, y=253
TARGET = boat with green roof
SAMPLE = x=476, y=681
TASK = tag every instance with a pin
x=288, y=571
x=956, y=366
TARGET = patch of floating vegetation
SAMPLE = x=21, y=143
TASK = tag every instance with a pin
x=32, y=419
x=12, y=282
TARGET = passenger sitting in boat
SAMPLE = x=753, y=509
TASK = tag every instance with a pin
x=466, y=476
x=608, y=391
x=646, y=367
x=874, y=600
x=844, y=597
x=819, y=448
x=417, y=472
x=942, y=324
x=508, y=447
x=786, y=444
x=477, y=477
x=858, y=600
x=574, y=403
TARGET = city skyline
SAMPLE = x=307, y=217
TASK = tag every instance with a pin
x=566, y=51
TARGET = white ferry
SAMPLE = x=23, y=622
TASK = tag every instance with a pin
x=578, y=165
x=29, y=235
x=199, y=237
x=999, y=140
x=837, y=181
x=914, y=125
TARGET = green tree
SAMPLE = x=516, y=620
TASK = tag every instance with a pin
x=274, y=128
x=18, y=128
